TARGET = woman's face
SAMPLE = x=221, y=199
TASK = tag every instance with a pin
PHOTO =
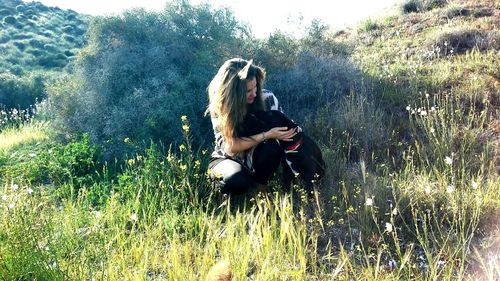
x=251, y=90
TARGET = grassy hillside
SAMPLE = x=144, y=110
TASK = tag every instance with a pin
x=410, y=133
x=36, y=37
x=36, y=42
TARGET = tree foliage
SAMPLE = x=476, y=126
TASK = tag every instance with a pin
x=143, y=70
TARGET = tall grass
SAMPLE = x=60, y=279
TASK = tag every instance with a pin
x=162, y=220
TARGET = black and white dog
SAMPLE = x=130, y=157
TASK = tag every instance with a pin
x=303, y=157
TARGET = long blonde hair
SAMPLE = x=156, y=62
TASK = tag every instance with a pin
x=227, y=94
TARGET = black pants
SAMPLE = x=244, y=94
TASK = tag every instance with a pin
x=234, y=178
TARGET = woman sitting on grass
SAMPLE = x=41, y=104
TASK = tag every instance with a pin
x=238, y=163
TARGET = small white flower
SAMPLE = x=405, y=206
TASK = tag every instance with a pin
x=475, y=185
x=408, y=108
x=133, y=217
x=388, y=227
x=428, y=189
x=29, y=190
x=426, y=95
x=97, y=214
x=4, y=197
x=433, y=108
x=369, y=202
x=432, y=130
x=395, y=211
x=14, y=187
x=11, y=206
x=448, y=160
x=450, y=189
x=423, y=113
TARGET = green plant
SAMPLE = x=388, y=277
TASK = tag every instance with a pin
x=138, y=71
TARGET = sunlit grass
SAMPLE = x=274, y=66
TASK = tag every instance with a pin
x=31, y=132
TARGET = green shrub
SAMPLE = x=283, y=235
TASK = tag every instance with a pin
x=35, y=43
x=313, y=82
x=10, y=20
x=462, y=40
x=50, y=47
x=368, y=25
x=69, y=38
x=20, y=45
x=34, y=52
x=69, y=53
x=20, y=92
x=68, y=29
x=5, y=12
x=455, y=11
x=75, y=163
x=414, y=6
x=143, y=70
x=4, y=38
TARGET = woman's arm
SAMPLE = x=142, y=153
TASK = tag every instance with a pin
x=242, y=144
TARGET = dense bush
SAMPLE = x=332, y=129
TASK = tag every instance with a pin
x=143, y=70
x=313, y=82
x=75, y=163
x=459, y=41
x=20, y=92
x=413, y=6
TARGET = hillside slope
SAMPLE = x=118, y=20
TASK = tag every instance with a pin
x=36, y=37
x=449, y=50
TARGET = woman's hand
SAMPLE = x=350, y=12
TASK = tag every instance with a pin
x=281, y=133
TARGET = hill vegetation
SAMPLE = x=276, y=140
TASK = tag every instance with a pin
x=35, y=41
x=108, y=180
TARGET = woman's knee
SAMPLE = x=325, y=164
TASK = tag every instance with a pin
x=232, y=177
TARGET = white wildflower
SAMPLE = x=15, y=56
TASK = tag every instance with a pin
x=475, y=185
x=428, y=189
x=395, y=211
x=97, y=214
x=408, y=108
x=369, y=202
x=450, y=189
x=133, y=217
x=14, y=187
x=29, y=190
x=432, y=130
x=423, y=113
x=4, y=197
x=11, y=206
x=388, y=227
x=448, y=160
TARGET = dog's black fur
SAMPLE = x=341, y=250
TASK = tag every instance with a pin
x=302, y=154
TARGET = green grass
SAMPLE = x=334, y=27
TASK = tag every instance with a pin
x=10, y=138
x=160, y=219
